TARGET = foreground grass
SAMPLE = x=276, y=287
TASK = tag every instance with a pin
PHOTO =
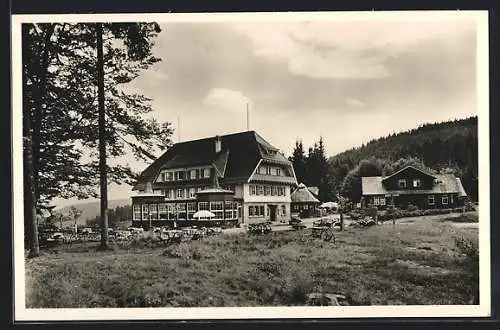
x=416, y=263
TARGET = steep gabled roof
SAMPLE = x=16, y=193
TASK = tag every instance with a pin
x=446, y=183
x=303, y=195
x=239, y=155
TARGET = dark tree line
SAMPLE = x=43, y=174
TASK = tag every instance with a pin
x=312, y=168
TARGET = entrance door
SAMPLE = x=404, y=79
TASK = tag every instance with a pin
x=272, y=212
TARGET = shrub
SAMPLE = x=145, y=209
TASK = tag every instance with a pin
x=412, y=207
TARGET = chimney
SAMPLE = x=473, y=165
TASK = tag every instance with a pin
x=218, y=144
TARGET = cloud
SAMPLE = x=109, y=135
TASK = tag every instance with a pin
x=227, y=99
x=344, y=49
x=354, y=103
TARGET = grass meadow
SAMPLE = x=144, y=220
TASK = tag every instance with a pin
x=424, y=262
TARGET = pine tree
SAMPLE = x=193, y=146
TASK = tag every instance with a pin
x=60, y=107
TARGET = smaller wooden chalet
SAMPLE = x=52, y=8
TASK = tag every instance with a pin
x=304, y=201
x=411, y=185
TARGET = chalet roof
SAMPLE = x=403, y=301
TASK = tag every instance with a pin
x=412, y=167
x=303, y=195
x=446, y=183
x=239, y=155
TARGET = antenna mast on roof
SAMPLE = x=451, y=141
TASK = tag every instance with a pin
x=178, y=129
x=248, y=116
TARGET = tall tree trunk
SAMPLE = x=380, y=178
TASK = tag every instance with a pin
x=30, y=195
x=102, y=139
x=32, y=128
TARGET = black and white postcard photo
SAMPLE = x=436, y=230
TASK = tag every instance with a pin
x=251, y=165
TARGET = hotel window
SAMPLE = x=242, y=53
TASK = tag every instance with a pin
x=228, y=210
x=430, y=199
x=180, y=193
x=416, y=183
x=402, y=183
x=181, y=211
x=267, y=190
x=444, y=200
x=203, y=206
x=171, y=212
x=451, y=199
x=162, y=211
x=145, y=212
x=256, y=210
x=206, y=172
x=168, y=193
x=278, y=171
x=281, y=191
x=193, y=174
x=137, y=212
x=268, y=170
x=217, y=208
x=153, y=211
x=252, y=190
x=192, y=193
x=283, y=209
x=180, y=175
x=261, y=170
x=191, y=209
x=168, y=176
x=260, y=190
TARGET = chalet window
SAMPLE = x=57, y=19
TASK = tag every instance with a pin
x=203, y=206
x=274, y=191
x=379, y=201
x=416, y=183
x=267, y=190
x=283, y=209
x=402, y=183
x=444, y=200
x=180, y=193
x=169, y=176
x=278, y=171
x=252, y=190
x=261, y=170
x=260, y=190
x=206, y=172
x=268, y=170
x=451, y=199
x=193, y=174
x=162, y=211
x=192, y=193
x=430, y=199
x=145, y=211
x=153, y=211
x=137, y=212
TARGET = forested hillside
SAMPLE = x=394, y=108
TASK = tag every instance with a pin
x=447, y=146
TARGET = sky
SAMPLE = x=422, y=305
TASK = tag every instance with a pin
x=348, y=81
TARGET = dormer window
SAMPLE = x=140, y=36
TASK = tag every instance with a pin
x=416, y=183
x=278, y=171
x=402, y=183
